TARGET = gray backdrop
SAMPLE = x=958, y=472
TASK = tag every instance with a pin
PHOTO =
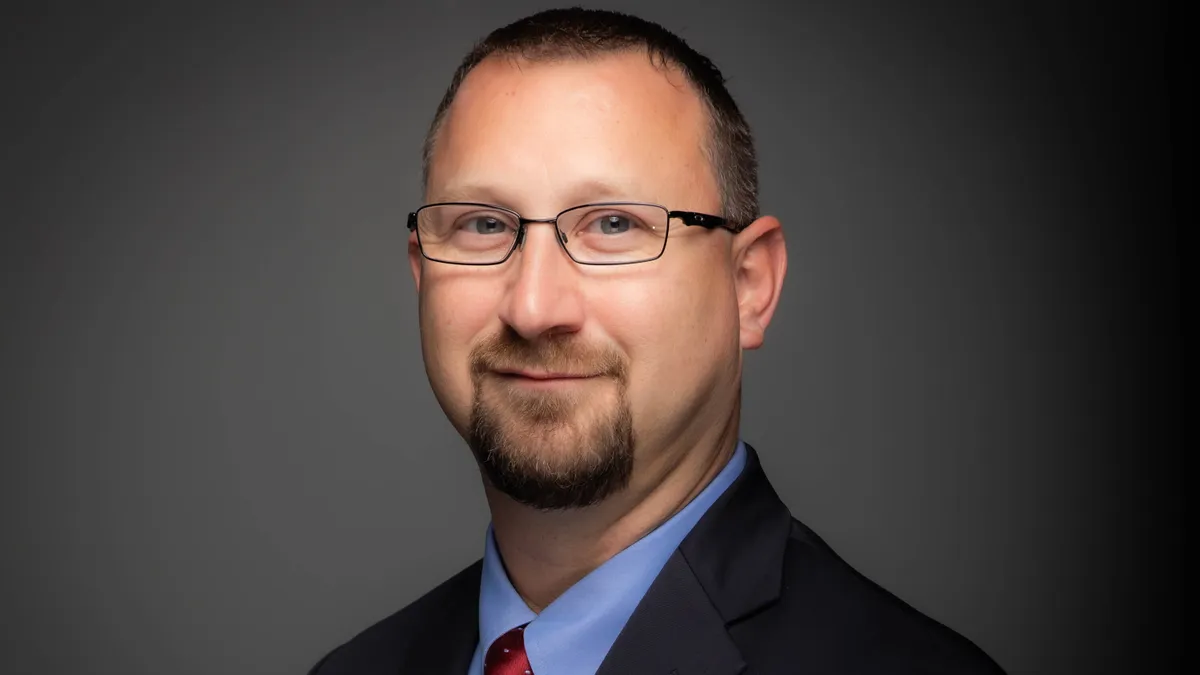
x=220, y=452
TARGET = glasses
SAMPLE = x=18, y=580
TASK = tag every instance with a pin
x=608, y=233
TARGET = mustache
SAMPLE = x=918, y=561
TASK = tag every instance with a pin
x=507, y=350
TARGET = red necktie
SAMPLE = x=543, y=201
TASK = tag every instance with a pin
x=507, y=656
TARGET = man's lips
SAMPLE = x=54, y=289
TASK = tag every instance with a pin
x=541, y=374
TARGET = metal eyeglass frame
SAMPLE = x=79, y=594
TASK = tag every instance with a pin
x=690, y=218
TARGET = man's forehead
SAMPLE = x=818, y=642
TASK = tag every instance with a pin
x=616, y=66
x=608, y=121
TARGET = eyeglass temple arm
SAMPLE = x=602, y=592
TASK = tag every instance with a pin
x=700, y=219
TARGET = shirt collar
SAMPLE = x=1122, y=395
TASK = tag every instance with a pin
x=575, y=632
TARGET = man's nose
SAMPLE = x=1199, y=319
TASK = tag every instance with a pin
x=543, y=296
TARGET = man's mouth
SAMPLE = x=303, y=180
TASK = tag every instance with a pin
x=541, y=375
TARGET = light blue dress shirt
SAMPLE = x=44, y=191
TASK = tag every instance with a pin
x=573, y=634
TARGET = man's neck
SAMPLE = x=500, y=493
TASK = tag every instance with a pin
x=547, y=552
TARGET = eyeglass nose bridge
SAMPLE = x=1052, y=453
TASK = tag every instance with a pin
x=522, y=222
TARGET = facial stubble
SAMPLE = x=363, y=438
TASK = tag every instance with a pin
x=551, y=449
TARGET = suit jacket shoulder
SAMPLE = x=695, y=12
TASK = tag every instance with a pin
x=436, y=633
x=751, y=590
x=833, y=619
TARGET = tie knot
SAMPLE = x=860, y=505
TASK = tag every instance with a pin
x=507, y=656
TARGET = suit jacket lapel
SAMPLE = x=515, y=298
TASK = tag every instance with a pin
x=729, y=566
x=674, y=631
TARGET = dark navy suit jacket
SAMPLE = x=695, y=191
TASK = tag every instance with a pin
x=750, y=591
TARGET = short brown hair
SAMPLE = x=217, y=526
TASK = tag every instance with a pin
x=583, y=33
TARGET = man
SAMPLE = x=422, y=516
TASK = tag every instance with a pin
x=592, y=361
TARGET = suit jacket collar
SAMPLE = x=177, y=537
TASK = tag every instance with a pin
x=736, y=550
x=729, y=566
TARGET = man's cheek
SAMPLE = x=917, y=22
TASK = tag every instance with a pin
x=458, y=312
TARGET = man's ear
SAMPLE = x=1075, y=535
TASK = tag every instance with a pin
x=760, y=264
x=414, y=258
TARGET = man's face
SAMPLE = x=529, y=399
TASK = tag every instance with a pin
x=571, y=382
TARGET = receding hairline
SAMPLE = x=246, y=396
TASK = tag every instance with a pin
x=552, y=53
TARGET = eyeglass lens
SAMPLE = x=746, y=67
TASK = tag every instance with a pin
x=598, y=234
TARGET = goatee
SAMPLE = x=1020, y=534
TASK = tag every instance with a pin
x=551, y=449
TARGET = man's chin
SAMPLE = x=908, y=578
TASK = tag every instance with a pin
x=554, y=445
x=553, y=463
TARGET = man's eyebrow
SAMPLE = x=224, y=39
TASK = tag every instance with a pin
x=591, y=190
x=467, y=192
x=596, y=190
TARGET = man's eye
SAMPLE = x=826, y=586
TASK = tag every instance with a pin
x=484, y=225
x=613, y=224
